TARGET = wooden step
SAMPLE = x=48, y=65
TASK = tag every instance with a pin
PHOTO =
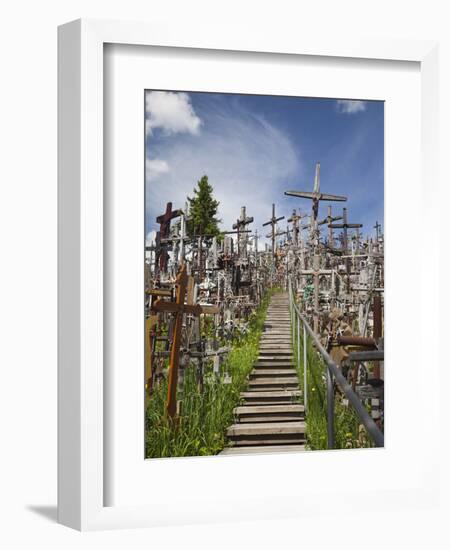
x=271, y=396
x=283, y=346
x=258, y=373
x=273, y=349
x=269, y=336
x=276, y=346
x=265, y=418
x=273, y=383
x=273, y=317
x=275, y=356
x=274, y=341
x=266, y=336
x=271, y=433
x=261, y=367
x=269, y=413
x=274, y=360
x=270, y=429
x=275, y=337
x=248, y=409
x=266, y=449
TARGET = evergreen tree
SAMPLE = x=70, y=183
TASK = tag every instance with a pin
x=203, y=210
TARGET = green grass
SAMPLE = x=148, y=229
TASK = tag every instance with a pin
x=205, y=415
x=349, y=433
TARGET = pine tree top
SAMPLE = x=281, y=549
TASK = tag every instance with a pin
x=203, y=210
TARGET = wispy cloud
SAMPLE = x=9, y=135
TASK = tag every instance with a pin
x=247, y=160
x=171, y=112
x=154, y=168
x=350, y=106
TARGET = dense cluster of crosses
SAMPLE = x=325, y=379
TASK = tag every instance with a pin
x=198, y=281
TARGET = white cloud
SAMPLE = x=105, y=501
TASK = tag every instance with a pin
x=248, y=161
x=150, y=238
x=350, y=106
x=154, y=168
x=172, y=112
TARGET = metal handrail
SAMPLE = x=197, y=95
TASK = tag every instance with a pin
x=333, y=372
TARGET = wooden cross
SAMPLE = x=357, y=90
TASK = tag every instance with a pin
x=150, y=325
x=273, y=222
x=377, y=228
x=179, y=239
x=278, y=233
x=165, y=219
x=316, y=196
x=314, y=227
x=178, y=309
x=151, y=248
x=345, y=226
x=239, y=226
x=316, y=272
x=294, y=219
x=255, y=238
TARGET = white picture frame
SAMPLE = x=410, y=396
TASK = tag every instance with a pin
x=81, y=461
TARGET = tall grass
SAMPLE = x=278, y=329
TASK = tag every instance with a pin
x=205, y=414
x=349, y=432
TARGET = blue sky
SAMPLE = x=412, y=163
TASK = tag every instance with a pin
x=253, y=148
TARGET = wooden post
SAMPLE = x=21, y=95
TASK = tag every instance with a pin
x=181, y=283
x=377, y=328
x=150, y=322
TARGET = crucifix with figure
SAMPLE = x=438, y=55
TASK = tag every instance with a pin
x=316, y=195
x=164, y=232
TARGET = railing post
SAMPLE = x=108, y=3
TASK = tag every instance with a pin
x=293, y=324
x=298, y=343
x=305, y=371
x=330, y=409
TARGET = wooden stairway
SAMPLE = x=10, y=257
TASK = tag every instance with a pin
x=270, y=418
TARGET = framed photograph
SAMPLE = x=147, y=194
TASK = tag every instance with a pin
x=233, y=269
